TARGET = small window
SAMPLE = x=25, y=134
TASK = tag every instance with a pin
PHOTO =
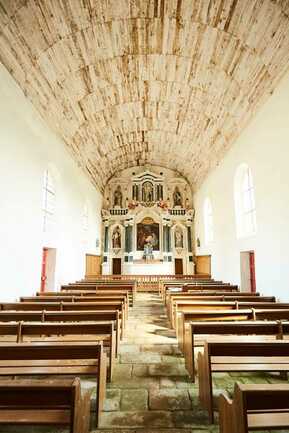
x=208, y=221
x=245, y=202
x=48, y=205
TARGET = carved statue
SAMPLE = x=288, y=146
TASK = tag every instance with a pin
x=116, y=238
x=117, y=197
x=135, y=192
x=147, y=192
x=177, y=196
x=179, y=239
x=148, y=251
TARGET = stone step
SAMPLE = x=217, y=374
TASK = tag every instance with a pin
x=141, y=430
x=155, y=419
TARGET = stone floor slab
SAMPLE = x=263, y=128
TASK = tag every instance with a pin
x=112, y=400
x=140, y=358
x=169, y=399
x=137, y=419
x=134, y=401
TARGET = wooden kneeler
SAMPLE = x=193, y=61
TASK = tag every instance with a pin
x=39, y=402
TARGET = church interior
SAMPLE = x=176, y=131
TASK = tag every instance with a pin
x=144, y=216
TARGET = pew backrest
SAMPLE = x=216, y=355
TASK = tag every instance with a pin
x=57, y=359
x=235, y=356
x=54, y=402
x=198, y=332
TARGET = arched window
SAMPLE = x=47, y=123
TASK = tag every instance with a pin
x=245, y=202
x=208, y=221
x=48, y=204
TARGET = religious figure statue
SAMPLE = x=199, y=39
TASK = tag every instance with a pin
x=148, y=251
x=135, y=192
x=147, y=192
x=117, y=197
x=177, y=196
x=116, y=238
x=179, y=239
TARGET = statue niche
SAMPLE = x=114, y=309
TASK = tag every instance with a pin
x=147, y=192
x=116, y=238
x=179, y=238
x=177, y=197
x=117, y=198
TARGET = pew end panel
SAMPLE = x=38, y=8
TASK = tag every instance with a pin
x=256, y=407
x=101, y=385
x=226, y=422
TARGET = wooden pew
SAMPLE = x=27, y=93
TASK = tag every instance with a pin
x=185, y=284
x=87, y=293
x=203, y=293
x=102, y=286
x=61, y=298
x=236, y=356
x=198, y=332
x=187, y=305
x=65, y=316
x=42, y=402
x=184, y=318
x=25, y=332
x=220, y=293
x=57, y=359
x=177, y=283
x=255, y=407
x=178, y=301
x=67, y=306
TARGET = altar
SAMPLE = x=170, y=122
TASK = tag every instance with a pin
x=148, y=268
x=147, y=220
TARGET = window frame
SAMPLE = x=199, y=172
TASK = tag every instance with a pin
x=245, y=205
x=48, y=201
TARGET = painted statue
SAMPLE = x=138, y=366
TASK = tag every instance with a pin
x=147, y=192
x=117, y=201
x=179, y=239
x=177, y=197
x=116, y=238
x=135, y=192
x=148, y=251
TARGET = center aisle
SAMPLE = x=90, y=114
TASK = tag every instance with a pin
x=151, y=389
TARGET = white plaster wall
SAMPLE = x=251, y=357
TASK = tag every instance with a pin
x=264, y=146
x=27, y=149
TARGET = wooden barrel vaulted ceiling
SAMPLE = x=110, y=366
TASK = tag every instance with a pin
x=129, y=82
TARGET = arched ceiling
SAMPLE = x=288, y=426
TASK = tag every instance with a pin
x=128, y=82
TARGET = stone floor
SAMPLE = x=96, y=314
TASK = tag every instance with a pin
x=151, y=388
x=151, y=391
